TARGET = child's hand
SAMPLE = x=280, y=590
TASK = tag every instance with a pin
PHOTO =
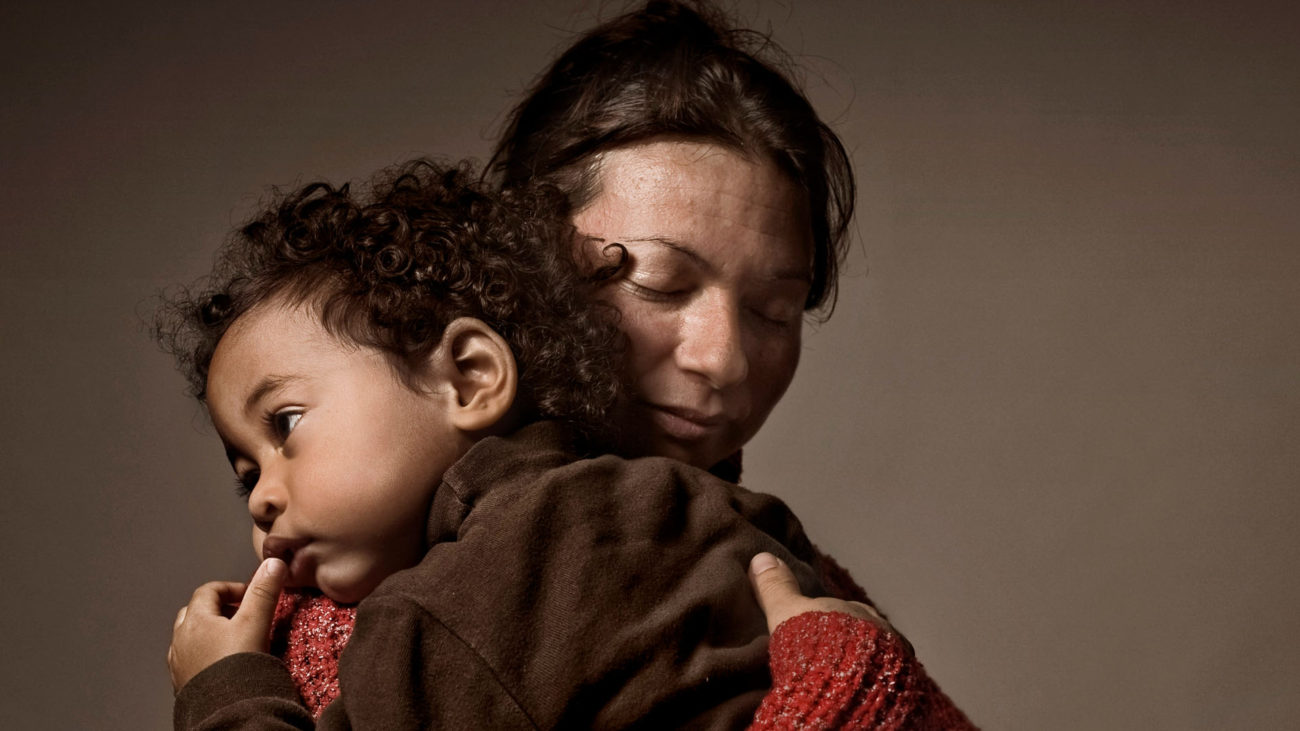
x=205, y=631
x=778, y=594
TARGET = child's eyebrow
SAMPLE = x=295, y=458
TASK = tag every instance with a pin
x=266, y=387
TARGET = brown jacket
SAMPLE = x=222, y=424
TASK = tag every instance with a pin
x=557, y=593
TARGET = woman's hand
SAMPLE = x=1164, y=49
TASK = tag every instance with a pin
x=779, y=595
x=206, y=631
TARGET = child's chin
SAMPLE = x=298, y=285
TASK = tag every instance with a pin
x=343, y=592
x=339, y=597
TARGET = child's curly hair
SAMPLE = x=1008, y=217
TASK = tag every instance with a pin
x=390, y=268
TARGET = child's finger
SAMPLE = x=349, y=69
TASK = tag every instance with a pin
x=257, y=610
x=212, y=596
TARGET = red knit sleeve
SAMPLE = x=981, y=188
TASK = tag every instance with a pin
x=833, y=670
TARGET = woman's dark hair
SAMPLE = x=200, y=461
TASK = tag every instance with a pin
x=389, y=268
x=669, y=69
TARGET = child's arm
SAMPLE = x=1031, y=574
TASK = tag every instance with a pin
x=220, y=669
x=403, y=670
x=837, y=664
x=203, y=634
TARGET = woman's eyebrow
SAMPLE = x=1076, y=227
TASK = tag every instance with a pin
x=673, y=244
x=801, y=274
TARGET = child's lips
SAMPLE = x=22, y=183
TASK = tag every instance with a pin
x=281, y=547
x=289, y=550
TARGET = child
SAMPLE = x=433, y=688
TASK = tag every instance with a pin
x=401, y=383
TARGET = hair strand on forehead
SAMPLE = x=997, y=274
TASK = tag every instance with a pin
x=672, y=69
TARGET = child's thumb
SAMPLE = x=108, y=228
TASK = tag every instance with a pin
x=257, y=609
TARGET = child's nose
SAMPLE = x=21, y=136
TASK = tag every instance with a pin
x=267, y=501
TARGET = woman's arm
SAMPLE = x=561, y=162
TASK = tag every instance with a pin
x=838, y=664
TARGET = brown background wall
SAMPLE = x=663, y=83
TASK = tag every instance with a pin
x=1052, y=427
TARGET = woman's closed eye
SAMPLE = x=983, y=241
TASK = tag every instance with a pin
x=656, y=293
x=779, y=313
x=661, y=276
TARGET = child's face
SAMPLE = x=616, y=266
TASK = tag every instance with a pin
x=341, y=456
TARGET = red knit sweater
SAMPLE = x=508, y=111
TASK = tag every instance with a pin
x=309, y=634
x=829, y=670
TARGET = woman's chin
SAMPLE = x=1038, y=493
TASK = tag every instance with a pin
x=693, y=454
x=702, y=452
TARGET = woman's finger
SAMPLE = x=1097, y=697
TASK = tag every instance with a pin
x=775, y=587
x=781, y=598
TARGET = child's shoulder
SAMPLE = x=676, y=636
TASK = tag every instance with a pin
x=536, y=472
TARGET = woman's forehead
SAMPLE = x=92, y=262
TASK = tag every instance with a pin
x=701, y=200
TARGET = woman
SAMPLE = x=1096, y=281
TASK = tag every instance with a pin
x=729, y=200
x=725, y=200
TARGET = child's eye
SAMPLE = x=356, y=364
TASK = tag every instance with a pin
x=244, y=483
x=283, y=422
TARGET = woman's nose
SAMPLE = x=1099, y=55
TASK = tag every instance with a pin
x=711, y=343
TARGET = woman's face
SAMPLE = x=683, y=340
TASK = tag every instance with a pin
x=719, y=263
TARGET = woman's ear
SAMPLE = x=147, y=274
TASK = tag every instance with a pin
x=477, y=364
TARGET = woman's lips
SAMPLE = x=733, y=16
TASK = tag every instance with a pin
x=685, y=423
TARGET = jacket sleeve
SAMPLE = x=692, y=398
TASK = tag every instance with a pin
x=251, y=690
x=403, y=670
x=833, y=670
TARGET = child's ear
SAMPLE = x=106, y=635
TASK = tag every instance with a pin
x=477, y=364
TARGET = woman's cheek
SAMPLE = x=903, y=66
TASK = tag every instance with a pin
x=651, y=330
x=775, y=364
